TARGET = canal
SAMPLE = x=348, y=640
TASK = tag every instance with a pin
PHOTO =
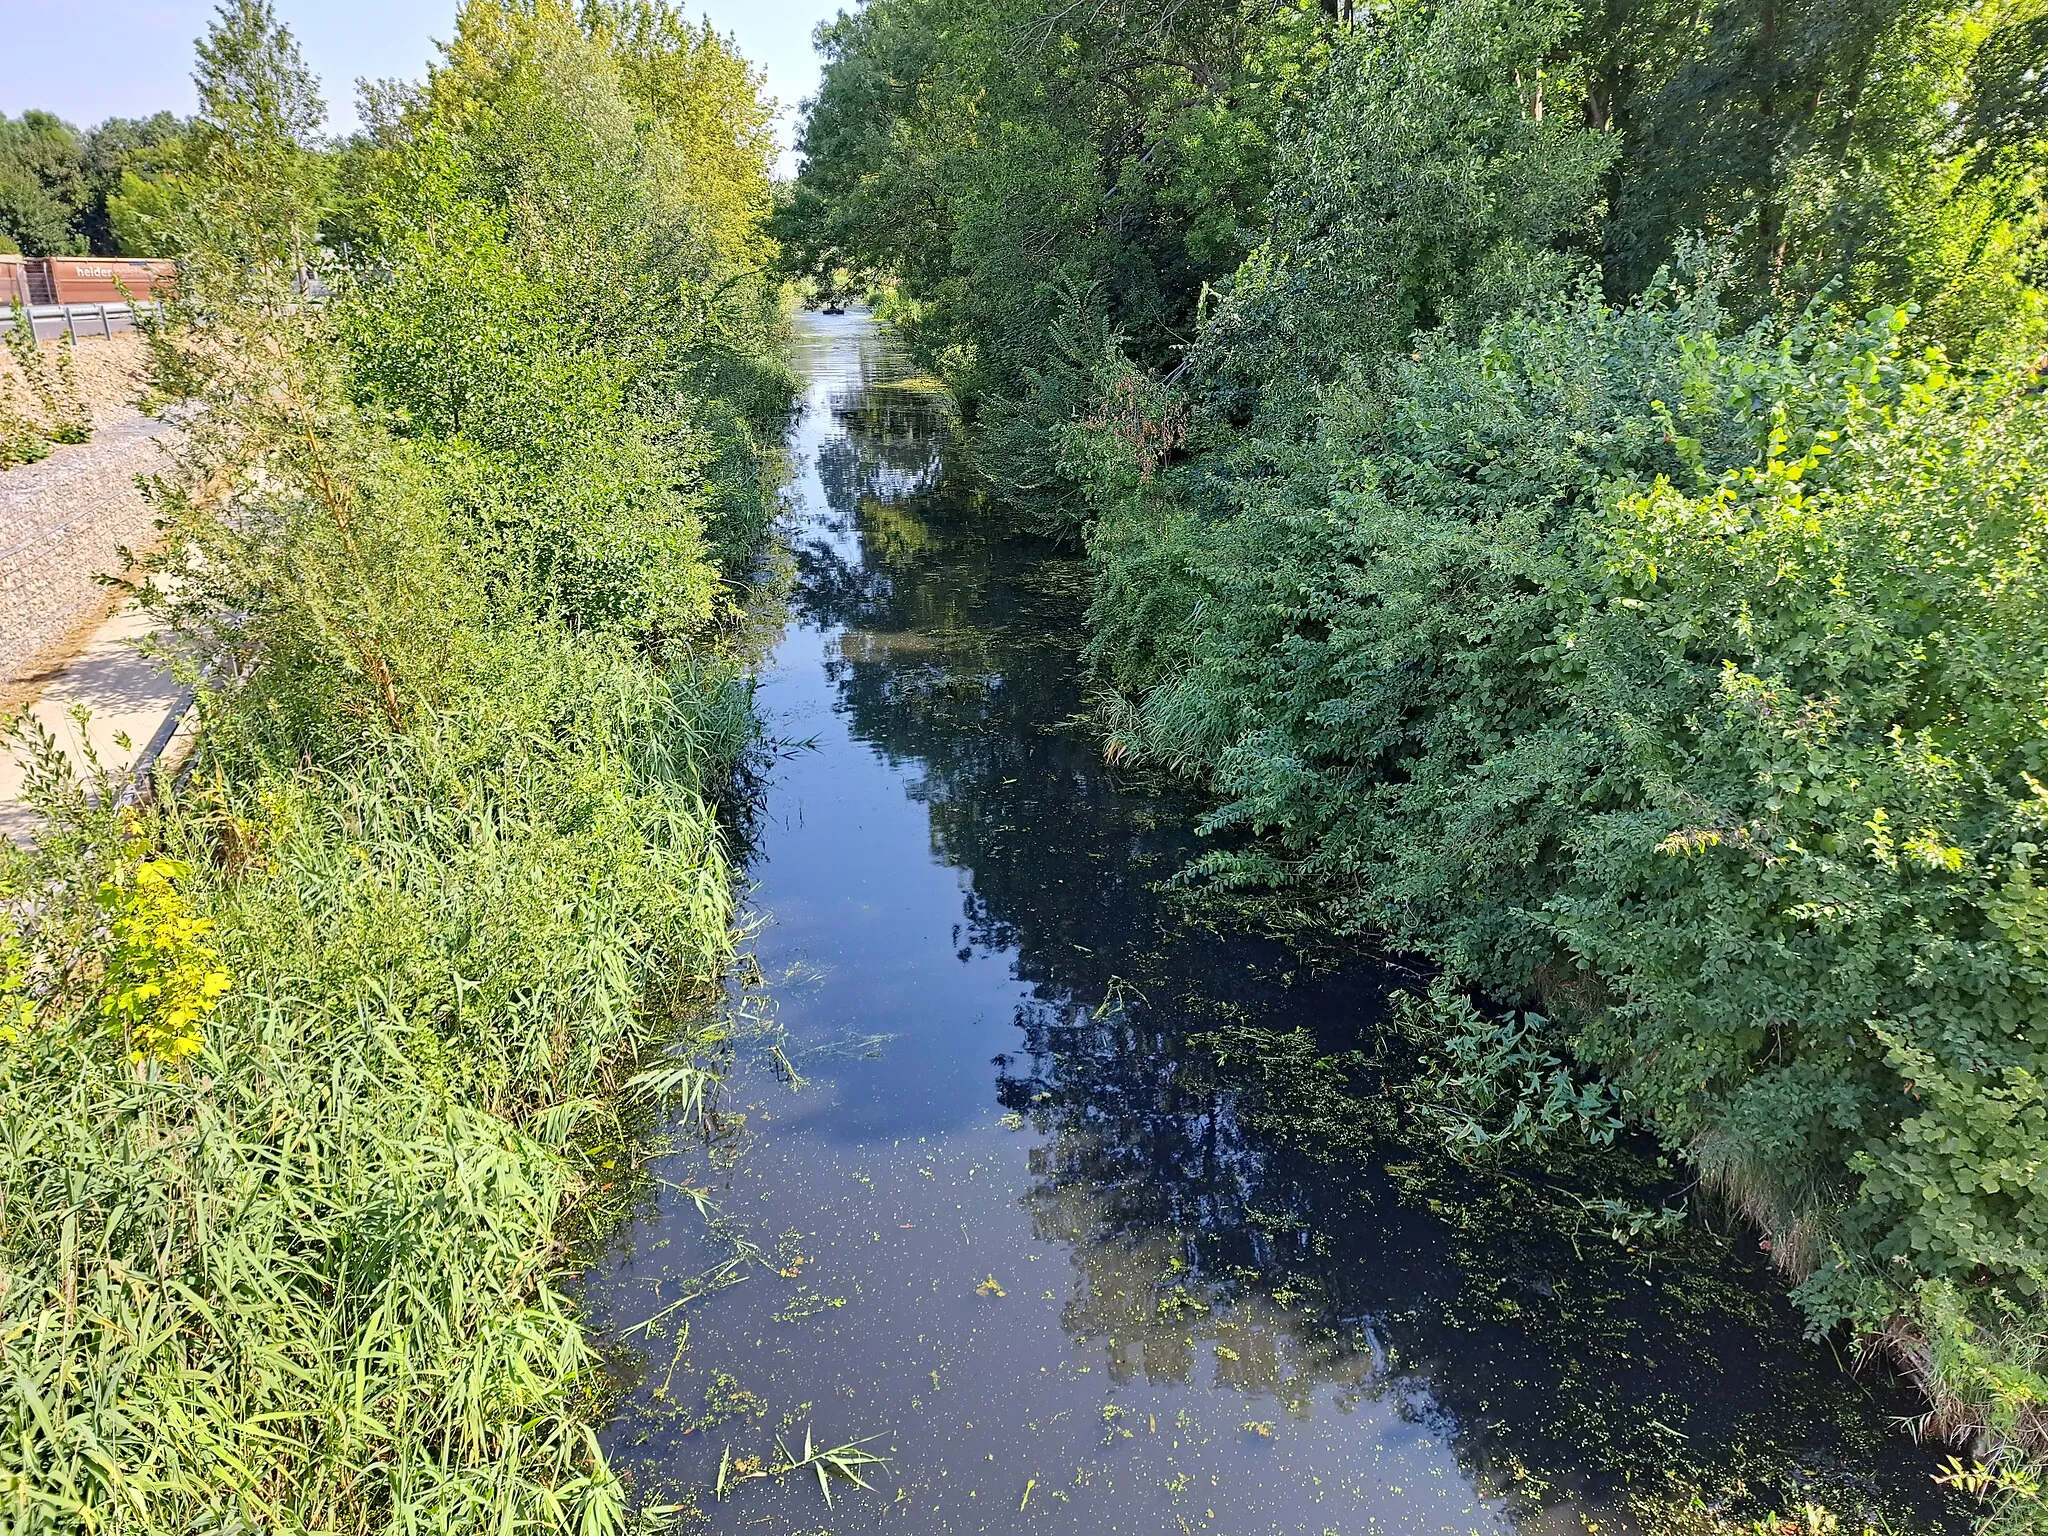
x=1091, y=1214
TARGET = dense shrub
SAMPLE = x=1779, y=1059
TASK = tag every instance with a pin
x=1673, y=663
x=1378, y=612
x=1818, y=916
x=1691, y=681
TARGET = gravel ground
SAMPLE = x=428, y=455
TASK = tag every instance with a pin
x=62, y=521
x=109, y=373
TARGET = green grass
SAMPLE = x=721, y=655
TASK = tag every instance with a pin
x=843, y=1462
x=308, y=1281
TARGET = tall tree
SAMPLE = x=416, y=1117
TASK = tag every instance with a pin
x=257, y=180
x=1033, y=179
x=121, y=156
x=1828, y=142
x=1428, y=181
x=42, y=182
x=714, y=122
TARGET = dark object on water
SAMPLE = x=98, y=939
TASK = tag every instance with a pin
x=834, y=309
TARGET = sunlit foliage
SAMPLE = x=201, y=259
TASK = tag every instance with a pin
x=65, y=192
x=305, y=1071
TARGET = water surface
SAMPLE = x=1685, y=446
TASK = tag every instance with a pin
x=1061, y=1211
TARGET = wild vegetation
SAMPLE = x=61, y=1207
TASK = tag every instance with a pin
x=306, y=1072
x=41, y=404
x=1568, y=478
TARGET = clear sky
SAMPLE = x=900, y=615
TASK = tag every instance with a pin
x=129, y=58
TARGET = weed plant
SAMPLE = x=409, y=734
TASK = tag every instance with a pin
x=40, y=402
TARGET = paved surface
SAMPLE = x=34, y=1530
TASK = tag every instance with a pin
x=128, y=699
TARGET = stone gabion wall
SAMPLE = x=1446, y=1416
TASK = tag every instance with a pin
x=63, y=522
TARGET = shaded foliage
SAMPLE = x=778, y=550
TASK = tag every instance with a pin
x=1022, y=183
x=1022, y=178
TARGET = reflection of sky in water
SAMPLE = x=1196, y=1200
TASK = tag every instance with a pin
x=1022, y=1225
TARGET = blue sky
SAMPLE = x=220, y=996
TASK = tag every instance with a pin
x=133, y=57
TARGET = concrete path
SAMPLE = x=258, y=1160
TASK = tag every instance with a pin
x=129, y=699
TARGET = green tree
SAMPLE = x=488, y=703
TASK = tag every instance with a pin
x=290, y=529
x=143, y=214
x=525, y=200
x=42, y=183
x=1430, y=180
x=1878, y=147
x=135, y=160
x=256, y=180
x=1023, y=177
x=715, y=123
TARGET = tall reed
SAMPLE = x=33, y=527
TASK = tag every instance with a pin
x=307, y=1280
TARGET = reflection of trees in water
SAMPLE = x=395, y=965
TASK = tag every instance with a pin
x=1208, y=1205
x=891, y=445
x=1241, y=1214
x=857, y=486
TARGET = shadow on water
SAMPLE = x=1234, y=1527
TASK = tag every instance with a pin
x=1079, y=1206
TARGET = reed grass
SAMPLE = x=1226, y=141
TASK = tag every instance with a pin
x=843, y=1462
x=307, y=1076
x=308, y=1281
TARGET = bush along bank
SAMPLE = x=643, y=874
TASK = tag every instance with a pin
x=1713, y=728
x=1570, y=483
x=302, y=1070
x=1675, y=674
x=41, y=405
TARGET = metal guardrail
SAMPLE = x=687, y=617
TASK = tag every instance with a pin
x=144, y=787
x=50, y=321
x=141, y=788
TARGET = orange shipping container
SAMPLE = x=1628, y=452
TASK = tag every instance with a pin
x=100, y=279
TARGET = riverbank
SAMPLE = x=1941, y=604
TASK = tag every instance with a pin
x=68, y=517
x=308, y=1069
x=296, y=1265
x=1581, y=527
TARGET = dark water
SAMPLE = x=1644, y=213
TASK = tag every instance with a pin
x=1049, y=1213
